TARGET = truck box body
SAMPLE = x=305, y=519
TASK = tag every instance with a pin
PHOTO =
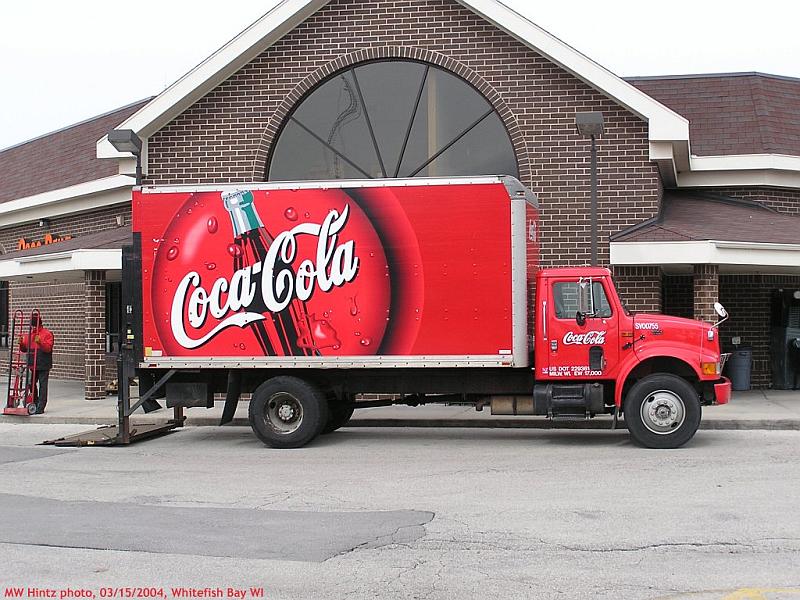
x=398, y=273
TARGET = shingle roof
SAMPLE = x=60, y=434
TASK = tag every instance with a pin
x=695, y=216
x=735, y=113
x=108, y=239
x=60, y=159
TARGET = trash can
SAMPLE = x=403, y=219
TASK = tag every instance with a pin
x=739, y=366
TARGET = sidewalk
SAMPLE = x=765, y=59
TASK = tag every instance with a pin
x=760, y=409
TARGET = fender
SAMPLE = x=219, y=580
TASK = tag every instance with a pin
x=682, y=352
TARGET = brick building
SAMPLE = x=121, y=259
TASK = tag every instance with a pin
x=388, y=88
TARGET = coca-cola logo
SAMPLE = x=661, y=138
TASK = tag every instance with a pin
x=281, y=281
x=590, y=338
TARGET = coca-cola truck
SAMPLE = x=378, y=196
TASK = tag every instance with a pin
x=310, y=295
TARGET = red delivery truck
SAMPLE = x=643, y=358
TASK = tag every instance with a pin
x=309, y=295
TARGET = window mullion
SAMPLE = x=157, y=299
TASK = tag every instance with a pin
x=411, y=121
x=369, y=123
x=452, y=142
x=332, y=149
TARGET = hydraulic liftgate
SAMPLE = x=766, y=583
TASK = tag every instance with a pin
x=130, y=353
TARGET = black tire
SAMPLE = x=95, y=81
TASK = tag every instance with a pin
x=287, y=412
x=31, y=407
x=662, y=411
x=338, y=416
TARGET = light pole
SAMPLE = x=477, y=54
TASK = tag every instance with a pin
x=126, y=140
x=590, y=125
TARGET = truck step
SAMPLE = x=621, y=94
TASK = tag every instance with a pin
x=569, y=416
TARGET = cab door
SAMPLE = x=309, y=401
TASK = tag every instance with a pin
x=583, y=335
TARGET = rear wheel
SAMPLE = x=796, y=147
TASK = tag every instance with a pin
x=662, y=411
x=287, y=412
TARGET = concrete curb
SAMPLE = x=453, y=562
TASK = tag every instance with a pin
x=500, y=423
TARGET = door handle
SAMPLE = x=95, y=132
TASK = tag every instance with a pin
x=553, y=345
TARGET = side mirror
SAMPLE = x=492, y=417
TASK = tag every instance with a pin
x=585, y=299
x=580, y=318
x=721, y=312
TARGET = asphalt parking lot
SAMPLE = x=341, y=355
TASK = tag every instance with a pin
x=406, y=513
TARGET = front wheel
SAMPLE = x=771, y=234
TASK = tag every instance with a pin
x=287, y=412
x=662, y=411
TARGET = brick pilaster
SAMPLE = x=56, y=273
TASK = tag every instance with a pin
x=706, y=292
x=95, y=309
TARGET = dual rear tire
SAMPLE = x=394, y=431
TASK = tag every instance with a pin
x=287, y=412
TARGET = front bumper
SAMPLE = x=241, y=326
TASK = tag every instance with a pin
x=722, y=391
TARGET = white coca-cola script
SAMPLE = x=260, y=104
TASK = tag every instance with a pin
x=593, y=338
x=335, y=264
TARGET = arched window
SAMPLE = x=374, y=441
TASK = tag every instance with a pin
x=393, y=118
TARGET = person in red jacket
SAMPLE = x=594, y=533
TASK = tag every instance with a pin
x=41, y=340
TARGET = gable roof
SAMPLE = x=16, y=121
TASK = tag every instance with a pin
x=733, y=113
x=59, y=159
x=664, y=124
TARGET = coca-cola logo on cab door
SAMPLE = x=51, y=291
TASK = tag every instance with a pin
x=590, y=338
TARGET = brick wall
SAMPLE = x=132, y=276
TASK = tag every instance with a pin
x=62, y=307
x=639, y=288
x=74, y=225
x=677, y=293
x=63, y=304
x=783, y=200
x=706, y=292
x=94, y=325
x=226, y=136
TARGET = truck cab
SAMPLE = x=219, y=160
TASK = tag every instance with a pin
x=589, y=345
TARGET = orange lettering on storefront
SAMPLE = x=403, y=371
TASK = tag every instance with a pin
x=48, y=239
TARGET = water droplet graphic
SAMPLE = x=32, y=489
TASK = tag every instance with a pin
x=365, y=341
x=306, y=214
x=353, y=306
x=290, y=213
x=242, y=346
x=172, y=253
x=211, y=266
x=234, y=250
x=212, y=225
x=188, y=211
x=357, y=333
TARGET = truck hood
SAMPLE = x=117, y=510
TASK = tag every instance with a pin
x=690, y=334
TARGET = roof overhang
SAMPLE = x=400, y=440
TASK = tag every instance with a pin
x=73, y=199
x=666, y=128
x=61, y=266
x=775, y=170
x=731, y=256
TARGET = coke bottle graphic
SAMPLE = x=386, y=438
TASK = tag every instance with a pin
x=285, y=333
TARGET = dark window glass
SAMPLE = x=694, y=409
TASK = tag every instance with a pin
x=566, y=300
x=392, y=119
x=113, y=315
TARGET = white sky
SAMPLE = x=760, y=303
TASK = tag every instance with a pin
x=62, y=62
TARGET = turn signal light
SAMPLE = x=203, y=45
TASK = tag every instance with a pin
x=710, y=368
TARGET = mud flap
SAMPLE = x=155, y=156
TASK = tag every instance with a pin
x=232, y=393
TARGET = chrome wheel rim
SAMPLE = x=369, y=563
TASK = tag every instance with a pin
x=663, y=412
x=284, y=413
